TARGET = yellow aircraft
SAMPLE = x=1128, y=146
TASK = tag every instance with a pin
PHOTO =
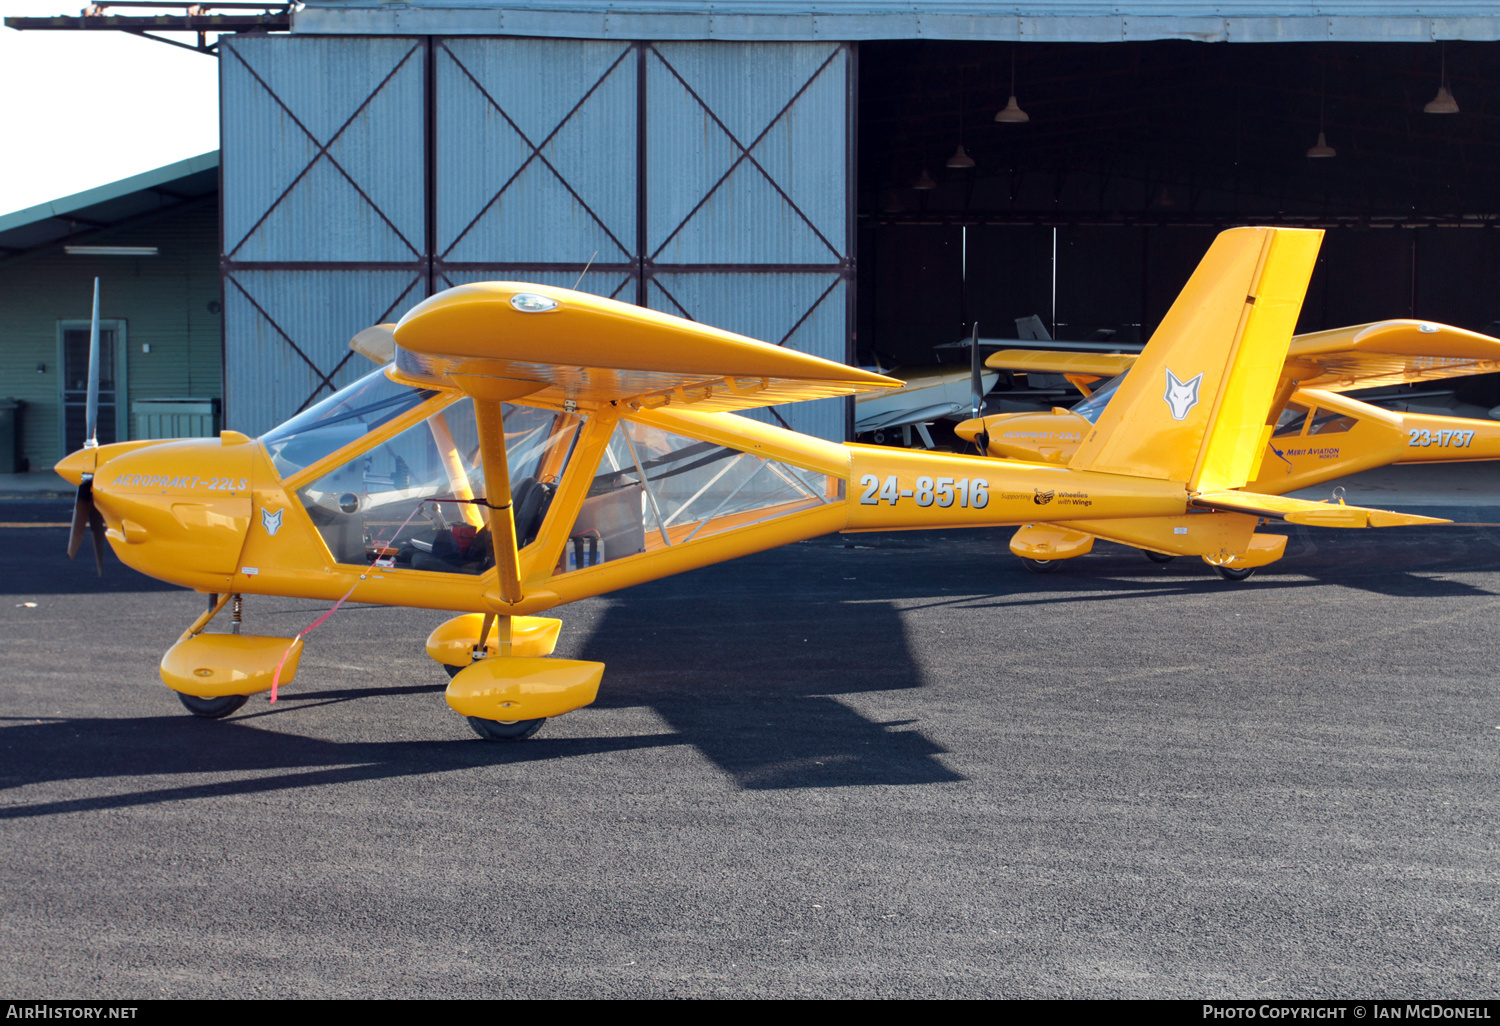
x=531, y=446
x=1319, y=435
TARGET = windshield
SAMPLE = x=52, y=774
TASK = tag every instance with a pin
x=338, y=420
x=1094, y=405
x=416, y=499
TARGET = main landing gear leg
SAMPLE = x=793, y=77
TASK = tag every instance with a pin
x=497, y=730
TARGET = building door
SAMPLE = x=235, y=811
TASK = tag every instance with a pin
x=73, y=340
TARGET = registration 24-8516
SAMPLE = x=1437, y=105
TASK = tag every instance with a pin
x=943, y=491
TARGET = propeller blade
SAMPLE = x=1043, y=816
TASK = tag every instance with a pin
x=83, y=509
x=976, y=385
x=86, y=517
x=91, y=416
x=976, y=379
x=96, y=524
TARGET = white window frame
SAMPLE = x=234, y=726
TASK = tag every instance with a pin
x=122, y=383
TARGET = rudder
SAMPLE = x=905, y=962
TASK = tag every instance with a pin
x=1194, y=406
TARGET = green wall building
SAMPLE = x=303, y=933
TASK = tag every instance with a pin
x=152, y=240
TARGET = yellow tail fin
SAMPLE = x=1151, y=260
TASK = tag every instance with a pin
x=1195, y=405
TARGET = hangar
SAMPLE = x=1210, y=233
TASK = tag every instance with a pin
x=858, y=180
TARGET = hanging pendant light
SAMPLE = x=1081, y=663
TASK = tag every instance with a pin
x=1322, y=149
x=960, y=159
x=1012, y=114
x=924, y=182
x=1443, y=102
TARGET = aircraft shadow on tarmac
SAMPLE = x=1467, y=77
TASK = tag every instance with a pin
x=751, y=682
x=174, y=746
x=744, y=660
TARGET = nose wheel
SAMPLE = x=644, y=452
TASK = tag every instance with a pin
x=1040, y=566
x=211, y=708
x=1230, y=573
x=505, y=730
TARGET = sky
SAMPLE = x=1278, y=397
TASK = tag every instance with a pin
x=84, y=109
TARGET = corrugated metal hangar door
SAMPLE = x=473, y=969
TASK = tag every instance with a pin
x=708, y=180
x=324, y=223
x=536, y=163
x=747, y=197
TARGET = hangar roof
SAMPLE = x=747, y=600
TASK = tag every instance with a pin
x=1098, y=21
x=110, y=205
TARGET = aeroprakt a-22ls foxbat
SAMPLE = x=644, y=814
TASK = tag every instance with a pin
x=531, y=446
x=1319, y=434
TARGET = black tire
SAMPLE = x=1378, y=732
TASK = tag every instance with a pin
x=1230, y=573
x=452, y=670
x=211, y=708
x=500, y=730
x=1041, y=566
x=1158, y=557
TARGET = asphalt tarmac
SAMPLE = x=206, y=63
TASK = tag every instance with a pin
x=906, y=768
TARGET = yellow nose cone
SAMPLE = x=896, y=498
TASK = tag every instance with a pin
x=969, y=430
x=74, y=465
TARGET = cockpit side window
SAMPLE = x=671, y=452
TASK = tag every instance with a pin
x=654, y=489
x=1329, y=422
x=1094, y=405
x=1291, y=422
x=346, y=415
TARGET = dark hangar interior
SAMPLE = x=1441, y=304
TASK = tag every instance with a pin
x=1091, y=213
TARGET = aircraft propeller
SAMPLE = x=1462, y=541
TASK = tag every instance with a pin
x=976, y=383
x=85, y=515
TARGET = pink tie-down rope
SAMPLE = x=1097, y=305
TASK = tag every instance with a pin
x=380, y=547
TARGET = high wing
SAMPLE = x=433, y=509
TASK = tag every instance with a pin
x=507, y=340
x=1105, y=365
x=1382, y=353
x=930, y=393
x=1305, y=511
x=1396, y=352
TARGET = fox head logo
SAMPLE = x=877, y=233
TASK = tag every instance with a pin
x=1181, y=396
x=271, y=521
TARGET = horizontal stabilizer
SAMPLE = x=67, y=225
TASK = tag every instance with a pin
x=1305, y=511
x=1395, y=352
x=1044, y=361
x=506, y=340
x=1376, y=355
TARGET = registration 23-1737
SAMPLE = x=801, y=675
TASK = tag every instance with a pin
x=1425, y=437
x=942, y=491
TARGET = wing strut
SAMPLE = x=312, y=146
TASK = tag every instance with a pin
x=497, y=486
